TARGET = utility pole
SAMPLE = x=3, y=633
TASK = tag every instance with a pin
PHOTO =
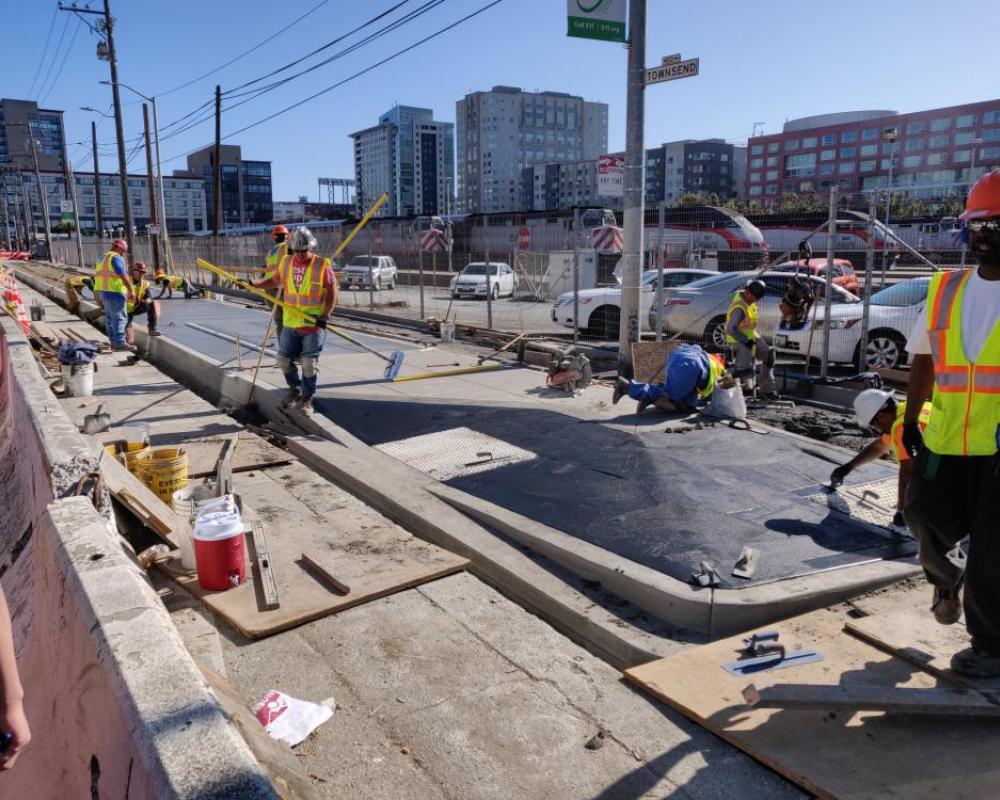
x=217, y=177
x=634, y=186
x=6, y=220
x=159, y=179
x=43, y=201
x=71, y=196
x=109, y=24
x=831, y=236
x=97, y=184
x=152, y=187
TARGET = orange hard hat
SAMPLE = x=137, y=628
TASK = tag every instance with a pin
x=120, y=244
x=984, y=198
x=139, y=267
x=279, y=230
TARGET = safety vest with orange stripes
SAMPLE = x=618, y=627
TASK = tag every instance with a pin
x=305, y=298
x=105, y=277
x=965, y=420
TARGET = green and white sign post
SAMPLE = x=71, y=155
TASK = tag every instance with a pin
x=597, y=19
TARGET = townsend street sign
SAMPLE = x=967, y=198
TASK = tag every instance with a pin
x=672, y=69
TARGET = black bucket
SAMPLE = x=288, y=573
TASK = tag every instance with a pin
x=37, y=313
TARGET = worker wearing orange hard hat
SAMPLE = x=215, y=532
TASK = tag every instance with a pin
x=955, y=489
x=279, y=233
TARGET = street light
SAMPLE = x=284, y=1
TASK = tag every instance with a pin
x=159, y=169
x=95, y=111
x=889, y=136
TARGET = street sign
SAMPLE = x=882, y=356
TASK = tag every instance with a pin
x=611, y=175
x=153, y=228
x=524, y=238
x=672, y=69
x=433, y=241
x=597, y=19
x=66, y=211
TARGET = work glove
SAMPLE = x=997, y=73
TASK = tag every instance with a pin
x=322, y=321
x=838, y=475
x=913, y=438
x=898, y=520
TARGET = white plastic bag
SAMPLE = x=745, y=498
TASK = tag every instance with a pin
x=727, y=403
x=290, y=720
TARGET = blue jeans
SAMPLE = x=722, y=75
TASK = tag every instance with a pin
x=115, y=317
x=646, y=391
x=307, y=346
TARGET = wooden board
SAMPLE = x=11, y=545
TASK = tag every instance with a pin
x=373, y=556
x=648, y=359
x=913, y=635
x=861, y=756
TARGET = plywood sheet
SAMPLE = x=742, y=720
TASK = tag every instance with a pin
x=914, y=636
x=368, y=553
x=648, y=359
x=861, y=756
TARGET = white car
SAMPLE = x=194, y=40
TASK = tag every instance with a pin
x=364, y=270
x=471, y=281
x=600, y=309
x=894, y=312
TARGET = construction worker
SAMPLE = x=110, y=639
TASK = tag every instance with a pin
x=279, y=233
x=741, y=332
x=689, y=375
x=879, y=409
x=311, y=292
x=143, y=303
x=113, y=286
x=74, y=286
x=955, y=488
x=168, y=283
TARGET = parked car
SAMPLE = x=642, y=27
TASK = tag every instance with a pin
x=698, y=310
x=843, y=271
x=894, y=312
x=600, y=309
x=382, y=273
x=471, y=281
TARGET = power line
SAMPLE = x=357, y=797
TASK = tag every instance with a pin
x=45, y=49
x=62, y=65
x=55, y=56
x=245, y=52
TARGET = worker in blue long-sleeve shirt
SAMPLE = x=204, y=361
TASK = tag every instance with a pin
x=689, y=375
x=113, y=285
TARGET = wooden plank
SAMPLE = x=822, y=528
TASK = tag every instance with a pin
x=912, y=635
x=648, y=359
x=857, y=756
x=325, y=569
x=374, y=557
x=260, y=559
x=948, y=702
x=224, y=467
x=135, y=495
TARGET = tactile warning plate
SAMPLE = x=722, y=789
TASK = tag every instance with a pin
x=455, y=453
x=873, y=502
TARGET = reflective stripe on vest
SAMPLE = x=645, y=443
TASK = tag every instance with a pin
x=105, y=277
x=966, y=413
x=896, y=431
x=140, y=291
x=308, y=297
x=273, y=260
x=748, y=326
x=716, y=366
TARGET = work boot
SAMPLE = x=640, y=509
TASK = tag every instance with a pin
x=621, y=389
x=124, y=348
x=306, y=406
x=153, y=332
x=947, y=608
x=291, y=398
x=642, y=405
x=973, y=662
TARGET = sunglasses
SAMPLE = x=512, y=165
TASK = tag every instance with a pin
x=978, y=225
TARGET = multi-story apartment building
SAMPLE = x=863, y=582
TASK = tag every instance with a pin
x=409, y=155
x=503, y=131
x=933, y=154
x=17, y=117
x=246, y=185
x=692, y=166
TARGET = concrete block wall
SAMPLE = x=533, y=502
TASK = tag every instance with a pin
x=116, y=705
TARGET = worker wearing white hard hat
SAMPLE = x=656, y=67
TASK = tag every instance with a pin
x=879, y=409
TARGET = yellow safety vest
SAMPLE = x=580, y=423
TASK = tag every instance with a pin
x=895, y=435
x=105, y=277
x=748, y=327
x=966, y=416
x=307, y=297
x=140, y=291
x=716, y=366
x=78, y=281
x=273, y=260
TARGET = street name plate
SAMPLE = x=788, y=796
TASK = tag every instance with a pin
x=672, y=71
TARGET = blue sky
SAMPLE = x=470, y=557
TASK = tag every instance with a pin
x=764, y=61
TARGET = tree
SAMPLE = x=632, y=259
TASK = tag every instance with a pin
x=64, y=227
x=689, y=199
x=712, y=199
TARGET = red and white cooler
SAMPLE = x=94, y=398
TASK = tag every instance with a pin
x=219, y=550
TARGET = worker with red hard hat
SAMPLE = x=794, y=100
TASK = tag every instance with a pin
x=955, y=489
x=279, y=233
x=113, y=285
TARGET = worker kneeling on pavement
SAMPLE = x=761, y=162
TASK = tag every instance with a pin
x=879, y=409
x=168, y=283
x=74, y=286
x=955, y=488
x=310, y=295
x=142, y=303
x=689, y=375
x=741, y=332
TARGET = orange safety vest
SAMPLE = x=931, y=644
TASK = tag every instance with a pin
x=306, y=299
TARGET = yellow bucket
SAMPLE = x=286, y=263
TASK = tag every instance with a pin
x=131, y=453
x=164, y=471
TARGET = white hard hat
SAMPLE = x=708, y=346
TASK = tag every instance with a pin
x=869, y=403
x=302, y=240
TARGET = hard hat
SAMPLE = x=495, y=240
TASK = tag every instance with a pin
x=278, y=230
x=139, y=267
x=984, y=198
x=302, y=240
x=120, y=244
x=869, y=403
x=757, y=288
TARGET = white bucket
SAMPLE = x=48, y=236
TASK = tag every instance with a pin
x=447, y=332
x=78, y=379
x=185, y=502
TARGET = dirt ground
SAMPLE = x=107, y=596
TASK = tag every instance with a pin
x=817, y=423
